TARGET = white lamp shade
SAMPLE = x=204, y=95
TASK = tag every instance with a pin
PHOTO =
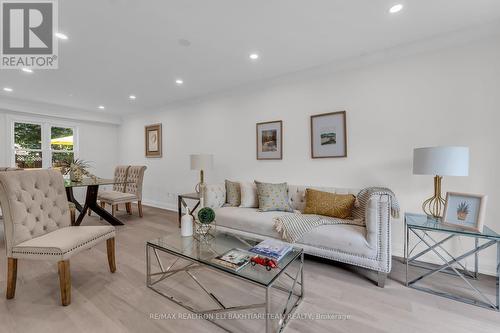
x=441, y=161
x=202, y=161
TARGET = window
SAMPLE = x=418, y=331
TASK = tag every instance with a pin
x=42, y=145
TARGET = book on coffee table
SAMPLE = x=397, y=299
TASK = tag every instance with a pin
x=272, y=248
x=234, y=259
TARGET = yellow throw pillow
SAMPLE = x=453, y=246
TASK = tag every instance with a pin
x=329, y=204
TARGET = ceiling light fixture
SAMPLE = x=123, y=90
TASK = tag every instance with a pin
x=396, y=8
x=61, y=36
x=7, y=89
x=254, y=56
x=179, y=82
x=132, y=97
x=27, y=70
x=101, y=107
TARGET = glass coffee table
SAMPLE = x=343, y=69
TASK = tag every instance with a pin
x=190, y=258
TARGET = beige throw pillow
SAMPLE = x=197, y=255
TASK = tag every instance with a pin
x=233, y=193
x=248, y=195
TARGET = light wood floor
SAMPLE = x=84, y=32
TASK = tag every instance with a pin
x=120, y=302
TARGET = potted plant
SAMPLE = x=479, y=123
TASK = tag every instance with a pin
x=76, y=170
x=462, y=211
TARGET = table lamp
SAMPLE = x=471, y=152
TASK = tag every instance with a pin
x=201, y=162
x=439, y=162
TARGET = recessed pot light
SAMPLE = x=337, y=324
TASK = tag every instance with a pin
x=254, y=56
x=132, y=97
x=396, y=8
x=7, y=89
x=179, y=82
x=27, y=70
x=60, y=35
x=101, y=107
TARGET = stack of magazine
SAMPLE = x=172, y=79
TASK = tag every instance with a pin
x=272, y=248
x=234, y=259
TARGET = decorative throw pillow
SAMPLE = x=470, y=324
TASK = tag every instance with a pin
x=273, y=197
x=233, y=193
x=248, y=195
x=329, y=204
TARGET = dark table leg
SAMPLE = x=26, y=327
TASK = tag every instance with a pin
x=91, y=203
x=71, y=198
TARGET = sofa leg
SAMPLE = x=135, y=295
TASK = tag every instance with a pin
x=381, y=277
x=65, y=281
x=11, y=277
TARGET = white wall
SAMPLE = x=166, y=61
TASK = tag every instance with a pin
x=98, y=142
x=445, y=97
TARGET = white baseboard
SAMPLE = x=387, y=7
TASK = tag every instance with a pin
x=161, y=205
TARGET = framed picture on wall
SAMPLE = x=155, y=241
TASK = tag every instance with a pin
x=465, y=211
x=329, y=135
x=270, y=140
x=153, y=140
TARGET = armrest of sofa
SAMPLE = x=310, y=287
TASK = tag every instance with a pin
x=215, y=195
x=378, y=227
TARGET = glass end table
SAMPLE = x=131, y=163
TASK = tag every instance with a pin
x=425, y=228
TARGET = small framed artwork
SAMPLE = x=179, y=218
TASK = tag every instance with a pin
x=153, y=140
x=465, y=211
x=329, y=135
x=270, y=140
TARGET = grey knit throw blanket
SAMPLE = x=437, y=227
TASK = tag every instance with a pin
x=293, y=226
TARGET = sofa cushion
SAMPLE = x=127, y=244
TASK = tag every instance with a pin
x=329, y=204
x=233, y=193
x=248, y=219
x=62, y=243
x=273, y=197
x=345, y=238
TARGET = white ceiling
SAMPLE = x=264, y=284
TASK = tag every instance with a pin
x=122, y=47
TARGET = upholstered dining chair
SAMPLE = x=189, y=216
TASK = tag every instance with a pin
x=37, y=226
x=129, y=193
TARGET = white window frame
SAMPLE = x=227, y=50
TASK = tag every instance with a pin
x=46, y=126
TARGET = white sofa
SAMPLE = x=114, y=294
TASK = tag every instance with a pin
x=366, y=246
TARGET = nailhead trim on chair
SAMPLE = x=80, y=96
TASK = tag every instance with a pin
x=63, y=253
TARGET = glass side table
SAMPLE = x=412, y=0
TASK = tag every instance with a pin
x=424, y=227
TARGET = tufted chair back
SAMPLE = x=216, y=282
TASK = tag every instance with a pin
x=120, y=176
x=34, y=203
x=135, y=177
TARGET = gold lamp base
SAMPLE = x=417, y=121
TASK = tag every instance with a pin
x=435, y=204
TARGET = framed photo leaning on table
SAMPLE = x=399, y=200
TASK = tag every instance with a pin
x=465, y=210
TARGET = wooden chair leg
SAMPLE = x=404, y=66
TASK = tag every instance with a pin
x=113, y=209
x=72, y=216
x=110, y=245
x=128, y=205
x=11, y=277
x=139, y=205
x=65, y=281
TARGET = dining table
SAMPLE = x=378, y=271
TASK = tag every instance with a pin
x=92, y=186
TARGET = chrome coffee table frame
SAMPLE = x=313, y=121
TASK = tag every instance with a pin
x=193, y=265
